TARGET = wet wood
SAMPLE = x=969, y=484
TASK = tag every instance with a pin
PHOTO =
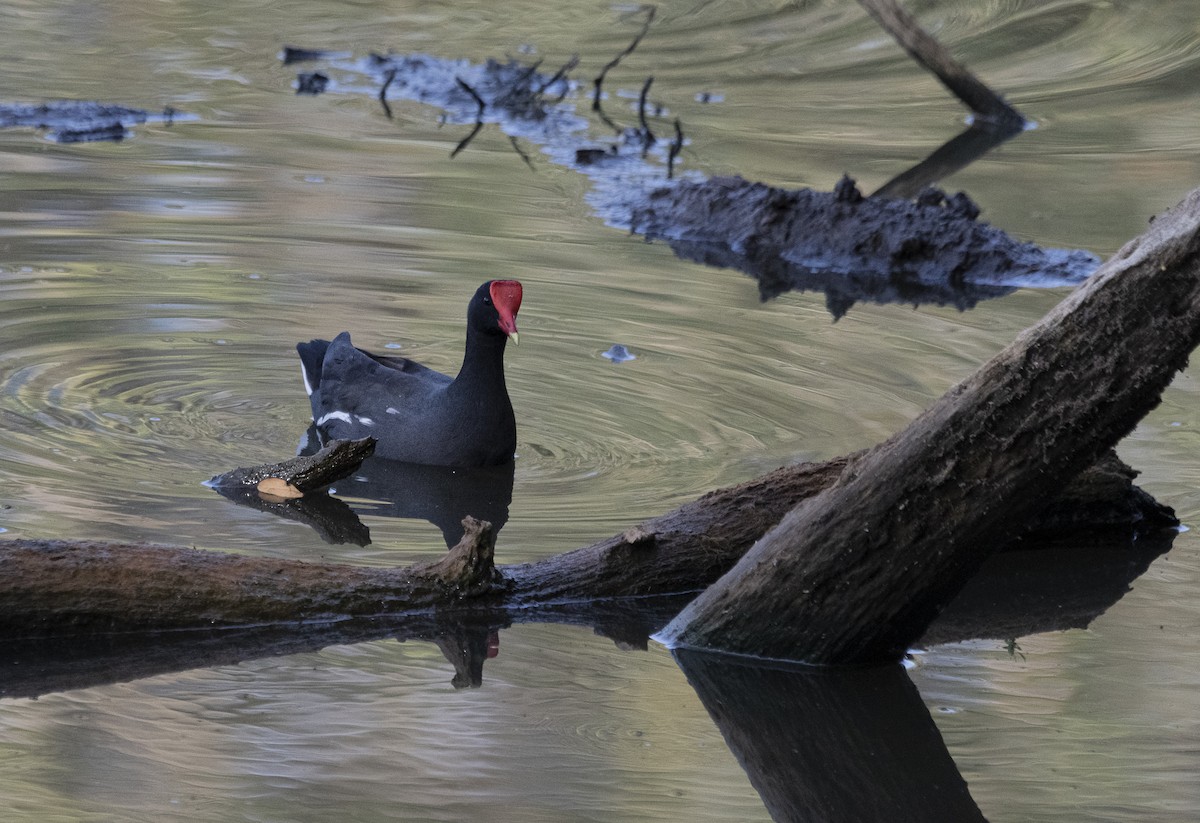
x=857, y=573
x=53, y=587
x=71, y=587
x=936, y=58
x=308, y=472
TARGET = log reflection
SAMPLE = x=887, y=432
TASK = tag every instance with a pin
x=824, y=745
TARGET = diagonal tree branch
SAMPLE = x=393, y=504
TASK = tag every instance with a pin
x=857, y=573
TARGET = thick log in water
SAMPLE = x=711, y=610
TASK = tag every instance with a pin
x=856, y=574
x=64, y=587
x=72, y=587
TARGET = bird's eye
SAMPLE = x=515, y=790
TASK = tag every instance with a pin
x=487, y=301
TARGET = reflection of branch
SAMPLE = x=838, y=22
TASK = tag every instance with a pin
x=957, y=153
x=559, y=75
x=856, y=744
x=478, y=116
x=931, y=54
x=521, y=152
x=676, y=147
x=467, y=648
x=389, y=77
x=333, y=520
x=648, y=138
x=31, y=667
x=599, y=81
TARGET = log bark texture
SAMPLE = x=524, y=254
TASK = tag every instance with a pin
x=60, y=588
x=856, y=574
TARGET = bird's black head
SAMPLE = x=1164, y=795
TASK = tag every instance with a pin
x=494, y=308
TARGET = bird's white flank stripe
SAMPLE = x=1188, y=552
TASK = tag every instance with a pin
x=334, y=415
x=307, y=385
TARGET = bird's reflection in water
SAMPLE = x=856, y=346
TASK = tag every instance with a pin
x=443, y=495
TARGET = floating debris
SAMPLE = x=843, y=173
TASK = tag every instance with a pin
x=82, y=121
x=295, y=54
x=311, y=82
x=854, y=248
x=618, y=354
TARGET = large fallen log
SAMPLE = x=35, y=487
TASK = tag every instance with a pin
x=53, y=587
x=1043, y=584
x=918, y=514
x=857, y=573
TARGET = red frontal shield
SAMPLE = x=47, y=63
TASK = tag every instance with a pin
x=506, y=297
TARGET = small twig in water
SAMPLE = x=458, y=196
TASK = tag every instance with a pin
x=676, y=147
x=606, y=120
x=521, y=152
x=462, y=84
x=525, y=75
x=462, y=144
x=560, y=75
x=648, y=138
x=599, y=81
x=932, y=55
x=391, y=75
x=478, y=116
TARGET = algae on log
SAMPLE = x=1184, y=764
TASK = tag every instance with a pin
x=856, y=574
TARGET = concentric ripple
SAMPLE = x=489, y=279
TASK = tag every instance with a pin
x=103, y=391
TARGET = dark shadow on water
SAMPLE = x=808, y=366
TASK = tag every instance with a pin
x=468, y=639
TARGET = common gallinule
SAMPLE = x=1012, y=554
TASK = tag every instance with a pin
x=416, y=414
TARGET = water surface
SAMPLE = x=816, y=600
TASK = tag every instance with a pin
x=153, y=291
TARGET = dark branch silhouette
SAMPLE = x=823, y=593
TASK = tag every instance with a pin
x=462, y=84
x=651, y=11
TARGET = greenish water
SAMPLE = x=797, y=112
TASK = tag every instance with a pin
x=153, y=291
